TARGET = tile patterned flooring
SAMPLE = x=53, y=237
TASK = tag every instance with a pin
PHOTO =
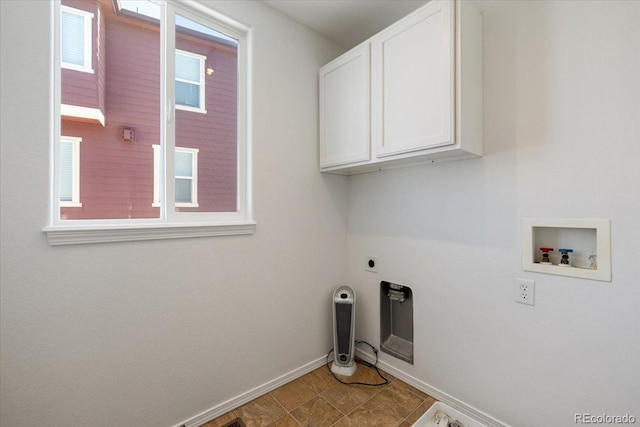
x=318, y=400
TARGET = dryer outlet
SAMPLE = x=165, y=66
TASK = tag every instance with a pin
x=371, y=263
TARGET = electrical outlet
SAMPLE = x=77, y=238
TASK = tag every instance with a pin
x=371, y=263
x=525, y=291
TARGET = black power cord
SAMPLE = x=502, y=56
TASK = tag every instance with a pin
x=363, y=362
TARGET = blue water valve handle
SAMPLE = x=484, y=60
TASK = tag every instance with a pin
x=564, y=262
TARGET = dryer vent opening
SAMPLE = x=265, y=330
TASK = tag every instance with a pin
x=396, y=320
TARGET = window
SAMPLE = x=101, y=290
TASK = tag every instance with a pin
x=76, y=39
x=186, y=177
x=190, y=81
x=153, y=168
x=186, y=183
x=69, y=181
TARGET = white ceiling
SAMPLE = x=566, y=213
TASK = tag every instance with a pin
x=346, y=22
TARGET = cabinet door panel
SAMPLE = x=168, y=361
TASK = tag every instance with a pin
x=345, y=109
x=413, y=82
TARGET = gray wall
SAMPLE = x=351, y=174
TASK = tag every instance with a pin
x=153, y=333
x=562, y=140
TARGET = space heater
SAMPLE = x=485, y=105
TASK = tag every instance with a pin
x=344, y=314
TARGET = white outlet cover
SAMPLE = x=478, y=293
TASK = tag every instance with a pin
x=525, y=291
x=376, y=263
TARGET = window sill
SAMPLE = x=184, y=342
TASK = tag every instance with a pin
x=75, y=67
x=77, y=235
x=192, y=109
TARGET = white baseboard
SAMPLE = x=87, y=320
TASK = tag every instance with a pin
x=433, y=392
x=236, y=402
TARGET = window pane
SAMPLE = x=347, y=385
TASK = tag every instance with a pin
x=213, y=133
x=117, y=167
x=184, y=164
x=118, y=109
x=72, y=38
x=66, y=171
x=187, y=68
x=183, y=190
x=188, y=94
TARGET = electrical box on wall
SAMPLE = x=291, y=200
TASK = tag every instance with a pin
x=567, y=247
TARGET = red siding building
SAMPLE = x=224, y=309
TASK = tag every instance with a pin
x=114, y=108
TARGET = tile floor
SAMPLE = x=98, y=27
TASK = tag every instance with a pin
x=318, y=400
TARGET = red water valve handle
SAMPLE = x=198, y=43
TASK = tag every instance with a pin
x=546, y=249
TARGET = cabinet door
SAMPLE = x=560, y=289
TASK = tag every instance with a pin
x=345, y=109
x=412, y=72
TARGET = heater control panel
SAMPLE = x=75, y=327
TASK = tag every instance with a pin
x=343, y=295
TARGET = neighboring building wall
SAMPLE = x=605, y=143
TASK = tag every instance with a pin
x=215, y=133
x=117, y=177
x=80, y=88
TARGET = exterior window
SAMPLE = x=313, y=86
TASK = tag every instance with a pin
x=137, y=171
x=186, y=177
x=76, y=39
x=186, y=184
x=69, y=182
x=190, y=81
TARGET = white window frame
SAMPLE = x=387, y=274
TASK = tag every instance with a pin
x=87, y=41
x=75, y=168
x=157, y=155
x=171, y=223
x=194, y=177
x=200, y=83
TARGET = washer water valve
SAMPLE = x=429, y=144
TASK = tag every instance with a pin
x=545, y=255
x=564, y=262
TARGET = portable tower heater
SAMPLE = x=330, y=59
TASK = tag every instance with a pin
x=344, y=315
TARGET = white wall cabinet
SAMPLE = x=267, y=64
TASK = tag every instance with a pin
x=345, y=109
x=423, y=96
x=413, y=82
